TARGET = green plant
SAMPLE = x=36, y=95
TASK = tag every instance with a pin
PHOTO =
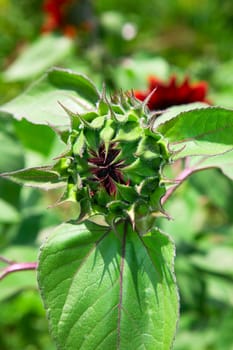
x=106, y=275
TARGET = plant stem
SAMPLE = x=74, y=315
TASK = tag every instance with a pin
x=179, y=180
x=15, y=267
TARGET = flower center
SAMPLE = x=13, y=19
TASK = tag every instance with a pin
x=106, y=169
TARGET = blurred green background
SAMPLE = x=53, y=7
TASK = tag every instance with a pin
x=120, y=42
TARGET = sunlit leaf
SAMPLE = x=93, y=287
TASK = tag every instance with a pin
x=39, y=103
x=207, y=131
x=174, y=111
x=106, y=290
x=45, y=52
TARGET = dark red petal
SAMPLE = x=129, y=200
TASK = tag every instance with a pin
x=154, y=82
x=199, y=91
x=140, y=95
x=112, y=154
x=96, y=161
x=110, y=186
x=171, y=93
x=106, y=169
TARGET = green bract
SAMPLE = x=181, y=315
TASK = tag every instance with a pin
x=113, y=163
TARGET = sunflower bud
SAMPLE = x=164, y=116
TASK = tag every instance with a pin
x=114, y=163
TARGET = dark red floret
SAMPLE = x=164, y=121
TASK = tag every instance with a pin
x=106, y=169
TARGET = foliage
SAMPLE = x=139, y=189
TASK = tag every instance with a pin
x=113, y=223
x=129, y=264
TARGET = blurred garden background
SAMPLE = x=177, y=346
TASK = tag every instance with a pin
x=121, y=43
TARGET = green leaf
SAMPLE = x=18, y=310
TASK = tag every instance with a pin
x=223, y=161
x=35, y=59
x=205, y=131
x=69, y=80
x=35, y=177
x=33, y=136
x=39, y=103
x=109, y=290
x=11, y=152
x=174, y=111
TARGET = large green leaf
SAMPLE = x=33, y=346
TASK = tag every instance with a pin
x=28, y=133
x=39, y=103
x=206, y=131
x=47, y=51
x=109, y=290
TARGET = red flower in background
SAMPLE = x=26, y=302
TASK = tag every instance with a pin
x=55, y=11
x=67, y=16
x=172, y=93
